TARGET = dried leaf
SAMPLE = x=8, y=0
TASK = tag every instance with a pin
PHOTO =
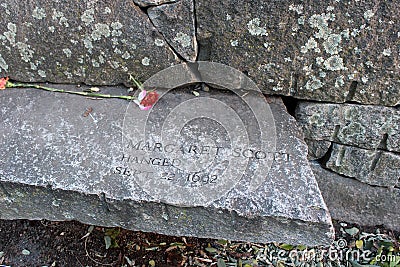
x=90, y=230
x=152, y=248
x=301, y=247
x=107, y=240
x=359, y=244
x=176, y=244
x=221, y=263
x=286, y=246
x=352, y=231
x=222, y=242
x=211, y=250
x=128, y=260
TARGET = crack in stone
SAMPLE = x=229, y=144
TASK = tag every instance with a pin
x=103, y=200
x=375, y=161
x=325, y=158
x=295, y=87
x=149, y=3
x=195, y=28
x=336, y=132
x=352, y=91
x=383, y=143
x=4, y=190
x=349, y=177
x=181, y=39
x=144, y=10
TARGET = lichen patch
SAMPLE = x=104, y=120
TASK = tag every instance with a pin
x=38, y=13
x=145, y=61
x=254, y=28
x=310, y=45
x=3, y=64
x=320, y=22
x=159, y=42
x=11, y=33
x=183, y=39
x=25, y=51
x=42, y=73
x=368, y=14
x=334, y=63
x=100, y=30
x=387, y=52
x=296, y=8
x=116, y=28
x=313, y=84
x=88, y=16
x=67, y=52
x=331, y=44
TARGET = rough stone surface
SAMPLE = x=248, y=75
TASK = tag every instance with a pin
x=335, y=51
x=57, y=162
x=374, y=167
x=364, y=126
x=176, y=22
x=353, y=201
x=146, y=3
x=94, y=42
x=317, y=149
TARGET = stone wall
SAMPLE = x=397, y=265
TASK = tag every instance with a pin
x=337, y=61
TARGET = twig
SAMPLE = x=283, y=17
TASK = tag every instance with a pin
x=95, y=261
x=88, y=94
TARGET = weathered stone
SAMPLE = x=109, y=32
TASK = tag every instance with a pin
x=93, y=42
x=56, y=162
x=317, y=149
x=373, y=167
x=370, y=127
x=353, y=201
x=146, y=3
x=176, y=23
x=335, y=51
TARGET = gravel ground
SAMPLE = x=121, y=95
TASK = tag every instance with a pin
x=45, y=243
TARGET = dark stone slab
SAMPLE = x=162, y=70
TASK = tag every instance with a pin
x=334, y=51
x=374, y=167
x=317, y=149
x=353, y=201
x=364, y=126
x=59, y=162
x=94, y=42
x=176, y=23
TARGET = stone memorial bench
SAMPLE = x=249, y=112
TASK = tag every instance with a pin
x=273, y=117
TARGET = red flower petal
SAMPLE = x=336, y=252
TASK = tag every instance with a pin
x=3, y=83
x=149, y=99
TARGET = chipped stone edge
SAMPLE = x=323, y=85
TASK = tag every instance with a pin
x=20, y=201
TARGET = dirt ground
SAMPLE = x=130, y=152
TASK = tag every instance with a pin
x=45, y=243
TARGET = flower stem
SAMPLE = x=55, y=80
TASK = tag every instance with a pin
x=137, y=83
x=89, y=94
